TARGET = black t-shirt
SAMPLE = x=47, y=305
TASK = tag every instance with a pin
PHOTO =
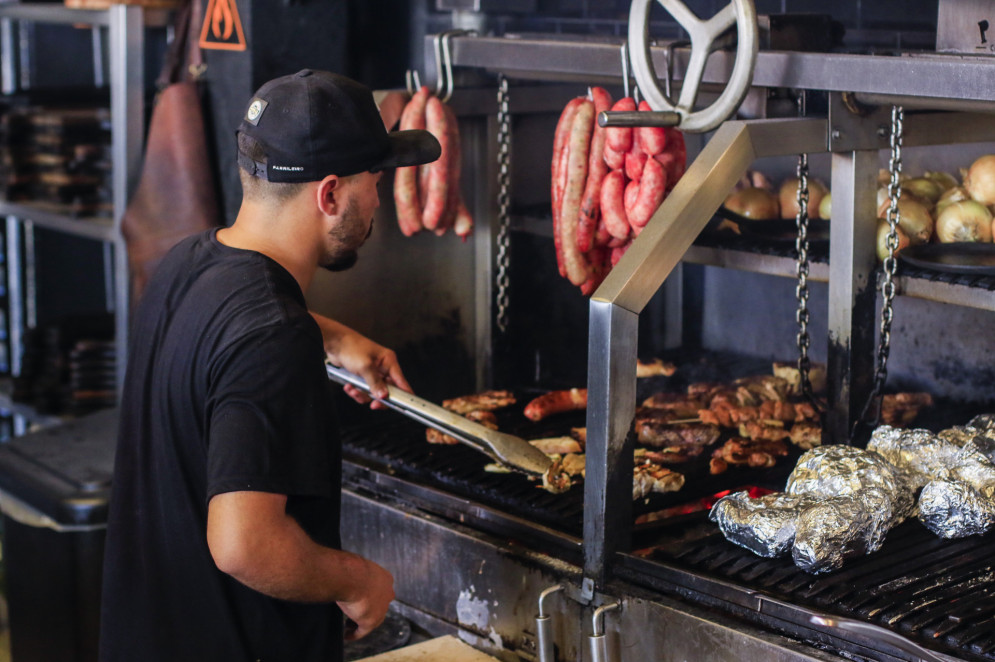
x=225, y=391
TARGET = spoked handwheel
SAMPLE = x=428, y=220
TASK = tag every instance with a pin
x=704, y=35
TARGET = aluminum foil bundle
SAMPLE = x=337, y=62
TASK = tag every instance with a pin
x=835, y=470
x=765, y=525
x=839, y=528
x=954, y=509
x=959, y=434
x=924, y=455
x=964, y=505
x=985, y=422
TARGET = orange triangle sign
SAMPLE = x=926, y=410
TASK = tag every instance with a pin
x=222, y=28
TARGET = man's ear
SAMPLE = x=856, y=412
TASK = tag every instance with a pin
x=328, y=194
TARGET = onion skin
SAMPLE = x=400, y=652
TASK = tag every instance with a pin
x=980, y=179
x=913, y=218
x=788, y=196
x=967, y=220
x=753, y=202
x=882, y=240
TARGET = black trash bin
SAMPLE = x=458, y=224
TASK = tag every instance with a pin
x=54, y=491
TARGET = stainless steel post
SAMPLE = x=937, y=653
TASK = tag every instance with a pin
x=127, y=37
x=544, y=628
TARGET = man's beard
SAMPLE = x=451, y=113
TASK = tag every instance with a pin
x=346, y=258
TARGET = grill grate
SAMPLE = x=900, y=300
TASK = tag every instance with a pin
x=938, y=593
x=390, y=442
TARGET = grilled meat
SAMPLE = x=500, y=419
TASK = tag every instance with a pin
x=655, y=368
x=684, y=406
x=649, y=477
x=806, y=435
x=556, y=402
x=557, y=445
x=900, y=409
x=488, y=401
x=482, y=416
x=747, y=452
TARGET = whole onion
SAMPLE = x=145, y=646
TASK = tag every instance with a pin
x=944, y=179
x=788, y=197
x=913, y=218
x=980, y=180
x=753, y=202
x=955, y=194
x=882, y=240
x=924, y=188
x=826, y=207
x=967, y=220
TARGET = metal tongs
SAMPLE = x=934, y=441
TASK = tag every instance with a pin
x=509, y=450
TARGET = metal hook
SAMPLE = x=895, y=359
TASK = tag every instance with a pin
x=412, y=81
x=624, y=53
x=545, y=594
x=599, y=630
x=444, y=63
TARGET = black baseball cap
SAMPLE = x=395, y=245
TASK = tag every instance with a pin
x=316, y=123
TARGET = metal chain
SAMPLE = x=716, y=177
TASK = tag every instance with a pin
x=890, y=265
x=503, y=201
x=801, y=270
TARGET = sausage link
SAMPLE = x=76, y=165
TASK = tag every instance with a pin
x=619, y=138
x=599, y=269
x=455, y=166
x=590, y=206
x=635, y=161
x=559, y=173
x=674, y=157
x=556, y=402
x=463, y=223
x=619, y=251
x=437, y=194
x=652, y=139
x=613, y=205
x=407, y=200
x=652, y=189
x=578, y=145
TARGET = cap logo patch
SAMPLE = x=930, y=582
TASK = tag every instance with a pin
x=255, y=111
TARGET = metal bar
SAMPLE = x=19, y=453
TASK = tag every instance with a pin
x=127, y=75
x=50, y=216
x=852, y=293
x=15, y=294
x=925, y=76
x=611, y=384
x=8, y=57
x=698, y=194
x=47, y=12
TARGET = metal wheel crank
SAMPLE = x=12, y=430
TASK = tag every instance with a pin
x=704, y=34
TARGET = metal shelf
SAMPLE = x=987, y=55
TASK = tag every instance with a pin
x=51, y=217
x=57, y=13
x=931, y=79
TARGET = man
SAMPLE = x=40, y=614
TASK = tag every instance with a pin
x=222, y=540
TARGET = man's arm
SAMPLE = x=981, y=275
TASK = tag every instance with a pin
x=252, y=538
x=376, y=364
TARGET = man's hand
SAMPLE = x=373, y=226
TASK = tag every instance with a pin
x=369, y=610
x=377, y=365
x=252, y=538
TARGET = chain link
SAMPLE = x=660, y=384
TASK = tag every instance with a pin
x=503, y=202
x=890, y=265
x=802, y=339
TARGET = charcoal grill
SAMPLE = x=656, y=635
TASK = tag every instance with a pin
x=686, y=593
